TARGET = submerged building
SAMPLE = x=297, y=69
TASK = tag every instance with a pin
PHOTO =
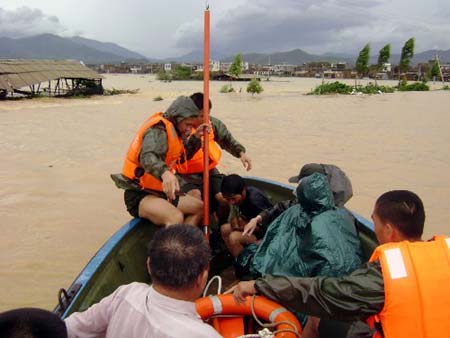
x=48, y=77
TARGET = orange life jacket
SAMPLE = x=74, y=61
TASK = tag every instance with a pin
x=132, y=168
x=195, y=164
x=416, y=285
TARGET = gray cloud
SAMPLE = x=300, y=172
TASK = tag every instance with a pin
x=322, y=26
x=287, y=25
x=25, y=21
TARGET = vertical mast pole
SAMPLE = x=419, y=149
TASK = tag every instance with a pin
x=206, y=120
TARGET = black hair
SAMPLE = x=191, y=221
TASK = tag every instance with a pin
x=232, y=185
x=178, y=255
x=31, y=323
x=404, y=210
x=198, y=100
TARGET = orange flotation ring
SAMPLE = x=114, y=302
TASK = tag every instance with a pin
x=264, y=308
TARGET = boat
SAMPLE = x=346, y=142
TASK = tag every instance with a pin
x=121, y=260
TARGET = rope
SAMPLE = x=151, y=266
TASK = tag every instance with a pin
x=219, y=285
x=271, y=325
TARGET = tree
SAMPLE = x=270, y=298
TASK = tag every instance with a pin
x=435, y=72
x=362, y=63
x=384, y=56
x=406, y=56
x=236, y=66
x=254, y=87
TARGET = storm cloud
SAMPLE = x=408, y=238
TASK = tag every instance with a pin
x=175, y=27
x=320, y=26
x=25, y=21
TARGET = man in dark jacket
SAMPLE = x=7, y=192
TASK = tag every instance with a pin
x=399, y=218
x=245, y=202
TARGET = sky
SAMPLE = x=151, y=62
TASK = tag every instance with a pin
x=170, y=28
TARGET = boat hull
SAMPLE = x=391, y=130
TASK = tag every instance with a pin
x=121, y=260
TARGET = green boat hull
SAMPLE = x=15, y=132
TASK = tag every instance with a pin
x=122, y=258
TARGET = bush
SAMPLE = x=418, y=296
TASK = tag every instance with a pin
x=446, y=87
x=332, y=88
x=182, y=73
x=164, y=76
x=226, y=89
x=158, y=98
x=254, y=87
x=375, y=89
x=197, y=76
x=413, y=87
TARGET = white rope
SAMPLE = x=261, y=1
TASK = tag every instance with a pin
x=219, y=285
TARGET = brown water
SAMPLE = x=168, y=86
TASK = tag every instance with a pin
x=58, y=204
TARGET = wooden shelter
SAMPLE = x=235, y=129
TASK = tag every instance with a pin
x=51, y=77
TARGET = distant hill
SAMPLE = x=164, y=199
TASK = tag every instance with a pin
x=196, y=56
x=298, y=57
x=109, y=47
x=444, y=56
x=293, y=57
x=49, y=46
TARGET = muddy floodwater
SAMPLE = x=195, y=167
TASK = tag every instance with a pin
x=58, y=204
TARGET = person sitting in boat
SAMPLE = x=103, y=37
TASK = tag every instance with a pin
x=340, y=185
x=31, y=323
x=178, y=263
x=156, y=155
x=219, y=138
x=246, y=202
x=311, y=238
x=401, y=292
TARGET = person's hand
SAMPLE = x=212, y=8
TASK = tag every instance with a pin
x=170, y=184
x=250, y=227
x=246, y=161
x=242, y=290
x=200, y=129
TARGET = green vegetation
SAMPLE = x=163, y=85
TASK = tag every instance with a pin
x=446, y=87
x=342, y=88
x=198, y=76
x=362, y=63
x=164, y=76
x=236, y=66
x=435, y=72
x=384, y=56
x=226, y=89
x=407, y=55
x=413, y=87
x=371, y=88
x=182, y=73
x=158, y=98
x=332, y=88
x=254, y=87
x=114, y=91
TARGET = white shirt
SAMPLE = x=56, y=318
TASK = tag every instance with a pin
x=137, y=310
